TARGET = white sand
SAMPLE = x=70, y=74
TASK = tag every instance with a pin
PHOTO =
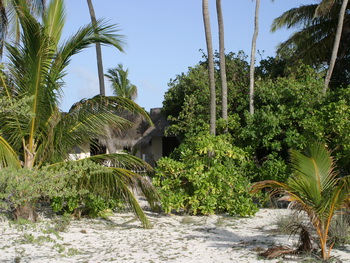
x=217, y=238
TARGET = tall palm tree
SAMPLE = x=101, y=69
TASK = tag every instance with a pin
x=315, y=189
x=120, y=83
x=315, y=41
x=222, y=59
x=98, y=51
x=252, y=58
x=44, y=136
x=208, y=38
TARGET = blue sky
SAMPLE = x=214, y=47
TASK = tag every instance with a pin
x=163, y=39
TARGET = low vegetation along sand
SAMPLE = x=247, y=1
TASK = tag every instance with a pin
x=173, y=238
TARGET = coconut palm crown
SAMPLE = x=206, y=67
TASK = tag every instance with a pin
x=121, y=85
x=317, y=26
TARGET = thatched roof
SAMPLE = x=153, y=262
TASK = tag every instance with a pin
x=160, y=123
x=140, y=133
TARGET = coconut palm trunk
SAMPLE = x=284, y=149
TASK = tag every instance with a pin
x=252, y=58
x=98, y=51
x=208, y=38
x=335, y=45
x=222, y=59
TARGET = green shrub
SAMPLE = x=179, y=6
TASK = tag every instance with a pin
x=206, y=174
x=62, y=185
x=86, y=204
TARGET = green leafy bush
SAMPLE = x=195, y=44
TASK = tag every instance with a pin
x=87, y=204
x=206, y=174
x=62, y=185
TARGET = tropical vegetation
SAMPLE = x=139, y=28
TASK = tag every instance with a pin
x=251, y=135
x=291, y=109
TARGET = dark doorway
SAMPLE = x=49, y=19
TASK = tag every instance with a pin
x=169, y=145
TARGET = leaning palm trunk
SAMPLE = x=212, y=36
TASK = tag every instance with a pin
x=98, y=51
x=315, y=189
x=222, y=60
x=208, y=38
x=252, y=58
x=335, y=45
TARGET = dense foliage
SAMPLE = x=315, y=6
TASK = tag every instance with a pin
x=290, y=112
x=186, y=101
x=206, y=175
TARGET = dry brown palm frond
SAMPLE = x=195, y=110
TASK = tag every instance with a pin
x=304, y=243
x=276, y=252
x=305, y=238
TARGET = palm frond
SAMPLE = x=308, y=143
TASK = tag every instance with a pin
x=65, y=131
x=134, y=172
x=125, y=104
x=130, y=199
x=86, y=36
x=108, y=182
x=8, y=157
x=340, y=193
x=54, y=20
x=274, y=186
x=314, y=40
x=324, y=7
x=3, y=25
x=122, y=160
x=315, y=173
x=296, y=17
x=115, y=104
x=309, y=44
x=30, y=64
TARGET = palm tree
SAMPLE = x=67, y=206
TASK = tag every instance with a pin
x=208, y=38
x=325, y=7
x=222, y=59
x=252, y=58
x=314, y=43
x=120, y=83
x=314, y=188
x=43, y=137
x=98, y=51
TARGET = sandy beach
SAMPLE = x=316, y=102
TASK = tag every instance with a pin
x=173, y=238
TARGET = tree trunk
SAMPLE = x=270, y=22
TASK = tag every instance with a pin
x=335, y=45
x=98, y=51
x=252, y=58
x=222, y=59
x=26, y=211
x=208, y=39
